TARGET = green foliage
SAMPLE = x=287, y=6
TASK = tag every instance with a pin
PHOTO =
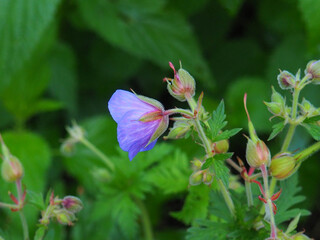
x=195, y=206
x=313, y=130
x=147, y=31
x=276, y=129
x=288, y=199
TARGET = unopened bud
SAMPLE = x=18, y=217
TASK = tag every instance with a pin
x=308, y=109
x=65, y=217
x=76, y=132
x=182, y=85
x=67, y=147
x=72, y=204
x=179, y=130
x=277, y=97
x=221, y=146
x=282, y=165
x=196, y=164
x=257, y=153
x=196, y=178
x=207, y=178
x=274, y=108
x=11, y=169
x=313, y=68
x=286, y=80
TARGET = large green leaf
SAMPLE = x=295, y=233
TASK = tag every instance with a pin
x=22, y=25
x=146, y=31
x=311, y=16
x=34, y=154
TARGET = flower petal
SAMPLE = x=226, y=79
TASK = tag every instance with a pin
x=122, y=102
x=133, y=135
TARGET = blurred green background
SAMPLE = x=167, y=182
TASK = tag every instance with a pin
x=62, y=60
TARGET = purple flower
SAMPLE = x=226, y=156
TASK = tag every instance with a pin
x=141, y=121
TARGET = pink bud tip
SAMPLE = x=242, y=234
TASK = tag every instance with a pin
x=171, y=65
x=245, y=106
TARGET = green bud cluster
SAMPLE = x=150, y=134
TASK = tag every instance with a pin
x=179, y=130
x=198, y=177
x=308, y=109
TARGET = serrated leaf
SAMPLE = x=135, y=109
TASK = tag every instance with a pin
x=223, y=156
x=207, y=163
x=171, y=175
x=195, y=206
x=276, y=129
x=217, y=121
x=289, y=197
x=36, y=199
x=312, y=119
x=206, y=229
x=226, y=134
x=221, y=171
x=140, y=29
x=313, y=129
x=293, y=224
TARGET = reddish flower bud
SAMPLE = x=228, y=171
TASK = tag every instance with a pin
x=313, y=68
x=257, y=153
x=286, y=80
x=182, y=85
x=72, y=204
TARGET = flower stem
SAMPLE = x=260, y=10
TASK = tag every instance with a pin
x=227, y=197
x=7, y=205
x=301, y=156
x=207, y=147
x=100, y=154
x=22, y=217
x=273, y=234
x=147, y=227
x=249, y=193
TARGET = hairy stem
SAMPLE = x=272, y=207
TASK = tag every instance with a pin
x=100, y=154
x=303, y=155
x=273, y=234
x=249, y=193
x=22, y=217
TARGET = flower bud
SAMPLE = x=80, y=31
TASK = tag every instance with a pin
x=286, y=80
x=221, y=146
x=282, y=165
x=76, y=132
x=11, y=169
x=67, y=147
x=277, y=97
x=72, y=204
x=196, y=164
x=182, y=85
x=179, y=130
x=308, y=109
x=313, y=68
x=257, y=153
x=196, y=178
x=274, y=108
x=207, y=178
x=64, y=217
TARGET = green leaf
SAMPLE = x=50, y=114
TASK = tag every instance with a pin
x=195, y=206
x=217, y=121
x=36, y=199
x=312, y=119
x=40, y=233
x=171, y=175
x=22, y=25
x=276, y=129
x=313, y=129
x=217, y=157
x=150, y=32
x=293, y=224
x=310, y=14
x=206, y=229
x=226, y=134
x=232, y=6
x=63, y=82
x=288, y=199
x=221, y=171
